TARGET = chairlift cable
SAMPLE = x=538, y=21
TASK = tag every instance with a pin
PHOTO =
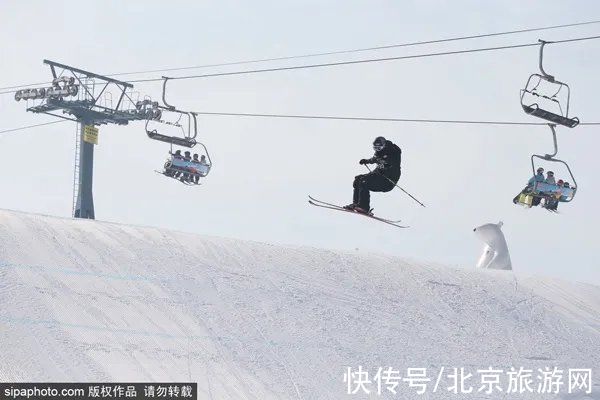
x=409, y=44
x=343, y=118
x=30, y=126
x=364, y=61
x=378, y=119
x=384, y=47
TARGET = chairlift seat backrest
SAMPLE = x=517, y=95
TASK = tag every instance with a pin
x=190, y=166
x=566, y=194
x=539, y=109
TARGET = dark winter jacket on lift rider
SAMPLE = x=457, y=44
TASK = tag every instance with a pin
x=388, y=157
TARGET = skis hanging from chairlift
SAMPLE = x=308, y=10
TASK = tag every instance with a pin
x=547, y=98
x=186, y=169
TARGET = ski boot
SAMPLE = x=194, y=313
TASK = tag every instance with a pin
x=363, y=211
x=350, y=207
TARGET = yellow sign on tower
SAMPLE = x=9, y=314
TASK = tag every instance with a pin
x=90, y=134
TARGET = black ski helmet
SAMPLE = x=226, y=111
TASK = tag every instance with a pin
x=379, y=143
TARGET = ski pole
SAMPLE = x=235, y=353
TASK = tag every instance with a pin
x=395, y=184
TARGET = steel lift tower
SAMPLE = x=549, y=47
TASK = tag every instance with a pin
x=86, y=98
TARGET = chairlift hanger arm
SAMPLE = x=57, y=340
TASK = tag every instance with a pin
x=164, y=91
x=551, y=156
x=546, y=75
x=195, y=121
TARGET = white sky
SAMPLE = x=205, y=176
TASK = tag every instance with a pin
x=265, y=168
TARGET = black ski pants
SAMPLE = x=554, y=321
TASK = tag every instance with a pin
x=371, y=182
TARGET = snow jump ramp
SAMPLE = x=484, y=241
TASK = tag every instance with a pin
x=92, y=301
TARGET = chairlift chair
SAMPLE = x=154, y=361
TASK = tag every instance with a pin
x=155, y=115
x=188, y=137
x=187, y=172
x=547, y=98
x=544, y=190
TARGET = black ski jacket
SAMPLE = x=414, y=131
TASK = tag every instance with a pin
x=388, y=161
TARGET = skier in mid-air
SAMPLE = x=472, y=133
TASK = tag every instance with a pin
x=382, y=179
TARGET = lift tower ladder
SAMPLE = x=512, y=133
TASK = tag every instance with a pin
x=76, y=168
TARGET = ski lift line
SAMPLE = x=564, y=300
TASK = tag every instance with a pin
x=22, y=86
x=15, y=91
x=370, y=60
x=332, y=64
x=376, y=119
x=348, y=51
x=326, y=53
x=339, y=118
x=30, y=126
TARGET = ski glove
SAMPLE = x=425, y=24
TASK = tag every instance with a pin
x=364, y=161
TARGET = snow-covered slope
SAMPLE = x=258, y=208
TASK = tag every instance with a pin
x=86, y=301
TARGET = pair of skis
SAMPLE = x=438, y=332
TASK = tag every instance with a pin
x=187, y=183
x=323, y=204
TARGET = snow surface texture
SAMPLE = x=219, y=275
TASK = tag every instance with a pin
x=91, y=301
x=495, y=251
